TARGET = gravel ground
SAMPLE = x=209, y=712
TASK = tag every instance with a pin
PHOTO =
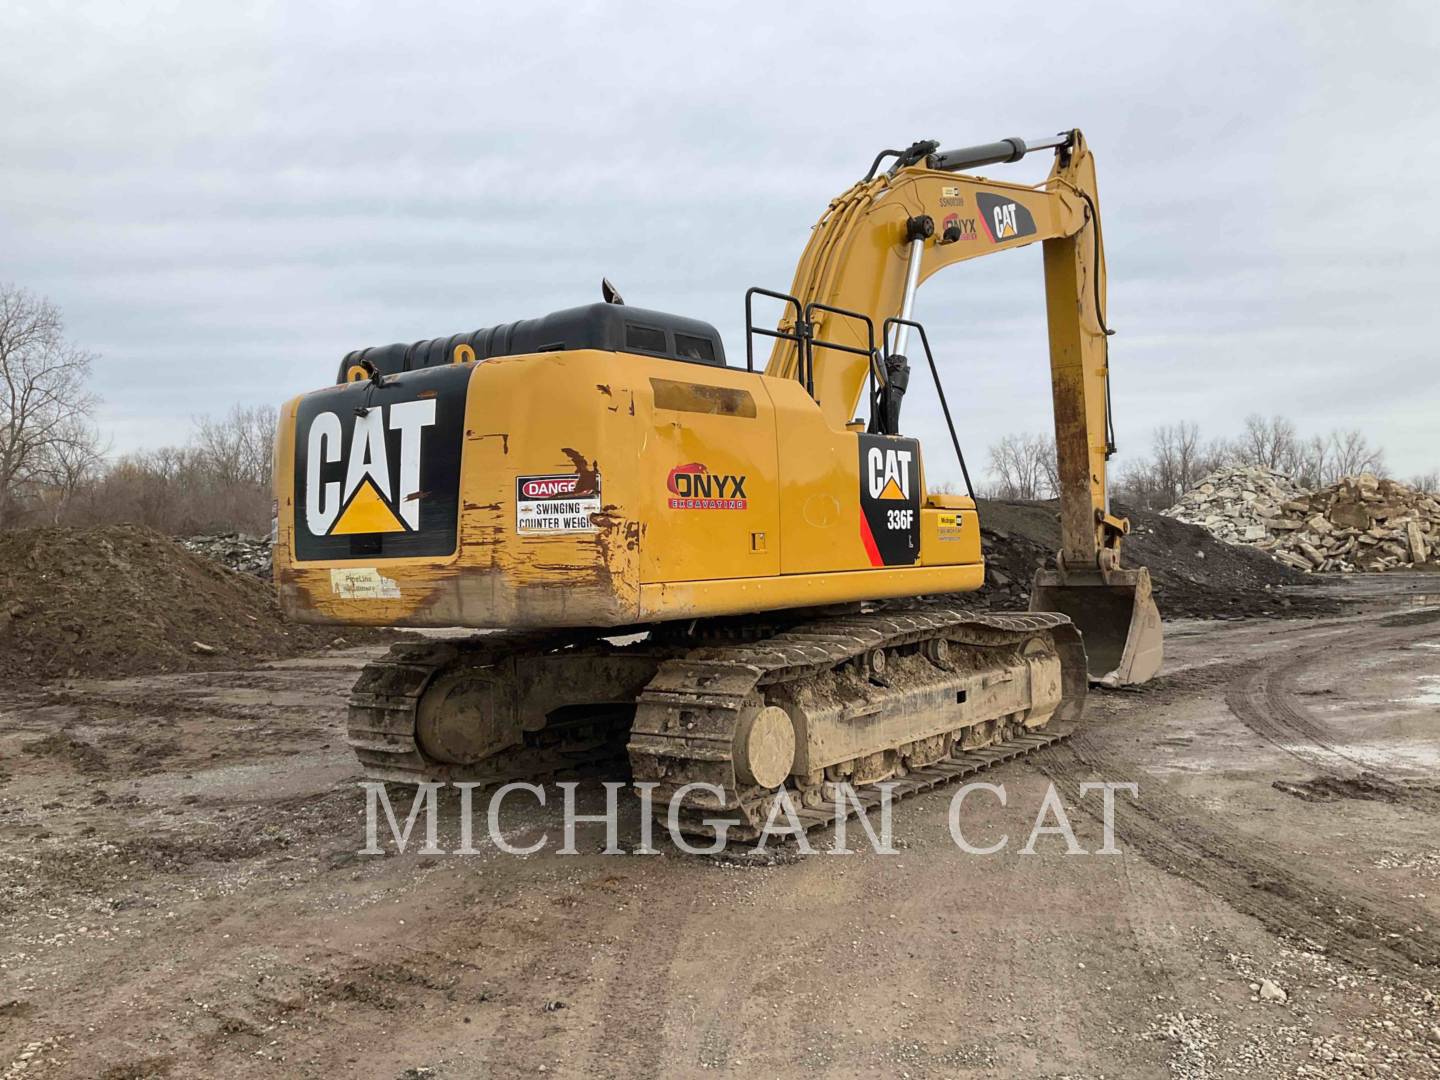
x=181, y=896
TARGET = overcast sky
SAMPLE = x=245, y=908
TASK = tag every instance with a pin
x=224, y=199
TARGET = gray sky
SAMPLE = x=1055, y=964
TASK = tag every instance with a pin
x=226, y=198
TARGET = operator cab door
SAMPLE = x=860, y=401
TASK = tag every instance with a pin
x=711, y=498
x=852, y=500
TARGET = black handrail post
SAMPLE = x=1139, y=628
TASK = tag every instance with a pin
x=800, y=336
x=939, y=390
x=868, y=352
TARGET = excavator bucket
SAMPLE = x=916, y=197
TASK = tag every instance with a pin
x=1116, y=616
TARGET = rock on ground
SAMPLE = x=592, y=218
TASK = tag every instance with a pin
x=241, y=553
x=1194, y=574
x=1237, y=503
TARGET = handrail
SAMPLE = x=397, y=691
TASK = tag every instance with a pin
x=801, y=334
x=869, y=352
x=939, y=389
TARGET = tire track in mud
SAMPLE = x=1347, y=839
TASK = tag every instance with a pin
x=1354, y=924
x=1265, y=701
x=633, y=983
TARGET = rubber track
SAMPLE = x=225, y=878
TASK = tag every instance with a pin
x=686, y=717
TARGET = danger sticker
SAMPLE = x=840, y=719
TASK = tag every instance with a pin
x=547, y=505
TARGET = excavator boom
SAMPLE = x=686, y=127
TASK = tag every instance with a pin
x=886, y=235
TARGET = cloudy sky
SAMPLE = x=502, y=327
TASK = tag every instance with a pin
x=226, y=198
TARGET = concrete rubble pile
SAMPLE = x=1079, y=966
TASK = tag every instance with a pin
x=241, y=553
x=1362, y=523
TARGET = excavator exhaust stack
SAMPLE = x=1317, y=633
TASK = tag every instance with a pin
x=1117, y=618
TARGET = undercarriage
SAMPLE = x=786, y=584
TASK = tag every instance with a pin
x=917, y=696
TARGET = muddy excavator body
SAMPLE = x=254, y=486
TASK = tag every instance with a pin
x=713, y=570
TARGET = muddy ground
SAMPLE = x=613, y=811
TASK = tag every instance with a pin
x=181, y=895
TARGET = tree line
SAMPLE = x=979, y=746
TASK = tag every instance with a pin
x=1022, y=466
x=55, y=467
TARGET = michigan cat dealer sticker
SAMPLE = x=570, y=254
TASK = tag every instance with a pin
x=546, y=505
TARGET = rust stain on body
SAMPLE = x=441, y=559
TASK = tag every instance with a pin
x=586, y=483
x=503, y=436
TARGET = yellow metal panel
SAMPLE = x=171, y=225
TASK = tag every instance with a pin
x=707, y=477
x=856, y=260
x=796, y=541
x=697, y=599
x=949, y=502
x=546, y=415
x=820, y=470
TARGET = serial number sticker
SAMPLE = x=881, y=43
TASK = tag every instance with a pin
x=363, y=583
x=556, y=504
x=951, y=526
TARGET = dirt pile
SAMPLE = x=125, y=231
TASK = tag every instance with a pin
x=1237, y=504
x=241, y=553
x=1194, y=574
x=1361, y=523
x=123, y=600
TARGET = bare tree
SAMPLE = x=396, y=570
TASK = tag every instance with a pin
x=1312, y=460
x=218, y=482
x=45, y=403
x=1427, y=481
x=69, y=467
x=1024, y=467
x=1352, y=454
x=237, y=446
x=1178, y=460
x=1271, y=443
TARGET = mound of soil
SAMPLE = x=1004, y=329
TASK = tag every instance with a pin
x=123, y=600
x=1194, y=575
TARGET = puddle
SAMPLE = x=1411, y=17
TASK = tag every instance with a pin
x=1429, y=691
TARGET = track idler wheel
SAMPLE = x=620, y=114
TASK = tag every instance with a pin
x=764, y=746
x=465, y=717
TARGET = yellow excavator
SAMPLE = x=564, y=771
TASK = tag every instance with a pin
x=738, y=578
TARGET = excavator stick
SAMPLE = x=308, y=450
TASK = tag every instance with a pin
x=1116, y=616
